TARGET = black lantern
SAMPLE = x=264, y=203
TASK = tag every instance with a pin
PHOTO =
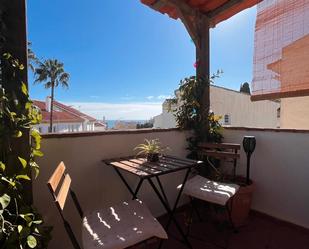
x=249, y=144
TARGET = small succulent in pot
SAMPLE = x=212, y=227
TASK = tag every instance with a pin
x=151, y=149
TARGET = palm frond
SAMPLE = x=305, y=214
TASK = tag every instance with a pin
x=51, y=73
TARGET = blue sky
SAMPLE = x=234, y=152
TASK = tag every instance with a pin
x=124, y=58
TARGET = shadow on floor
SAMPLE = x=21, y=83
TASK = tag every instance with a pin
x=260, y=232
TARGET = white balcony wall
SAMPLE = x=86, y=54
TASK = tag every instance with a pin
x=280, y=170
x=96, y=184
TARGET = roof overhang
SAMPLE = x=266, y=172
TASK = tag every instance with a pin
x=215, y=10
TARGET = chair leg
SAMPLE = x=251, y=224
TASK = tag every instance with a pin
x=190, y=219
x=195, y=209
x=229, y=212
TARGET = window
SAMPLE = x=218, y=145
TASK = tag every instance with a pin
x=54, y=128
x=278, y=112
x=227, y=119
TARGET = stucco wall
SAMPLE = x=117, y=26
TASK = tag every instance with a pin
x=96, y=184
x=241, y=110
x=66, y=127
x=295, y=113
x=280, y=170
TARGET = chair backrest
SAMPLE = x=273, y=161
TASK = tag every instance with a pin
x=223, y=151
x=60, y=197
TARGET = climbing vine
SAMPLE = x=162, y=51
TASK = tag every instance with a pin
x=21, y=226
x=190, y=115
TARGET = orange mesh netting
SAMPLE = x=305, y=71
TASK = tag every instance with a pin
x=281, y=60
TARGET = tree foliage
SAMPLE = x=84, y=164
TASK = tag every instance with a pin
x=52, y=74
x=148, y=124
x=190, y=115
x=245, y=88
x=32, y=58
x=21, y=226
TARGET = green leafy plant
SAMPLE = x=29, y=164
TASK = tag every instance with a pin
x=151, y=148
x=190, y=115
x=21, y=225
x=215, y=128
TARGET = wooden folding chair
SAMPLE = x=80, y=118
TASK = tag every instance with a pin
x=120, y=226
x=215, y=192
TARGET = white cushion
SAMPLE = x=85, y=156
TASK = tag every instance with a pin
x=120, y=226
x=215, y=192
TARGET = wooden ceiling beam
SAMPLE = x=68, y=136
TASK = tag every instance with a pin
x=184, y=7
x=223, y=8
x=188, y=10
x=189, y=16
x=157, y=5
x=190, y=26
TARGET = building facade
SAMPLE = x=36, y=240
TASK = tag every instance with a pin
x=295, y=113
x=236, y=109
x=65, y=118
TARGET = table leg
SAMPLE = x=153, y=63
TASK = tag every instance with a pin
x=162, y=191
x=137, y=189
x=134, y=193
x=171, y=212
x=171, y=218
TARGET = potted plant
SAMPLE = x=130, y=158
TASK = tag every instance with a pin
x=190, y=116
x=151, y=149
x=242, y=200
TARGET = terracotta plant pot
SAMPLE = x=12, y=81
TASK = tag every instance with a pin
x=153, y=157
x=241, y=204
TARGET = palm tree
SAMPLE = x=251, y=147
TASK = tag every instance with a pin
x=32, y=59
x=52, y=74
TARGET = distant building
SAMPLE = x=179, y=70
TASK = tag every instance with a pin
x=65, y=118
x=100, y=126
x=125, y=125
x=236, y=109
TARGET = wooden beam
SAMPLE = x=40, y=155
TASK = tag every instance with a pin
x=190, y=26
x=14, y=20
x=203, y=68
x=186, y=13
x=157, y=5
x=186, y=9
x=15, y=42
x=223, y=8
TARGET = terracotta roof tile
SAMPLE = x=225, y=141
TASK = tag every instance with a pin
x=66, y=115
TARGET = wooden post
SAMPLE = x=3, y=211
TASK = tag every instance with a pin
x=15, y=29
x=203, y=66
x=13, y=16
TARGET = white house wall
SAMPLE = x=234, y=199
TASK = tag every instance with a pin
x=66, y=127
x=241, y=110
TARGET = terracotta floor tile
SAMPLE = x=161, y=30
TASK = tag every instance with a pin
x=259, y=233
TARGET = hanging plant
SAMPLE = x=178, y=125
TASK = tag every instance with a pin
x=21, y=226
